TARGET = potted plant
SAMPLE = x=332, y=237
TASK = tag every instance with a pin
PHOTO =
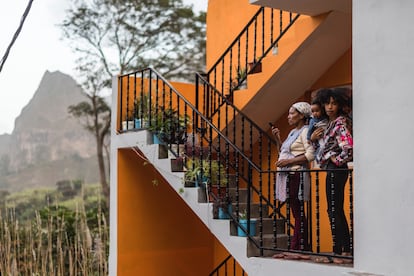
x=242, y=227
x=177, y=164
x=193, y=173
x=128, y=123
x=255, y=66
x=222, y=207
x=200, y=172
x=240, y=82
x=194, y=176
x=141, y=111
x=169, y=126
x=215, y=172
x=216, y=176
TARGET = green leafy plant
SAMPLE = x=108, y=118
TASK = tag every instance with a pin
x=170, y=125
x=241, y=73
x=216, y=172
x=202, y=170
x=194, y=168
x=142, y=106
x=239, y=79
x=222, y=201
x=243, y=214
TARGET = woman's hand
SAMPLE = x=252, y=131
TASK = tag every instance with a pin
x=283, y=163
x=317, y=134
x=276, y=133
x=297, y=160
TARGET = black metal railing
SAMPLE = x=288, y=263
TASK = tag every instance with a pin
x=222, y=154
x=228, y=266
x=147, y=97
x=243, y=132
x=218, y=106
x=257, y=39
x=313, y=220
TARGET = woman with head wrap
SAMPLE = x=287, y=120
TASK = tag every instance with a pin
x=292, y=185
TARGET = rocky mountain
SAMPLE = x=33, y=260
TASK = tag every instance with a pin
x=47, y=144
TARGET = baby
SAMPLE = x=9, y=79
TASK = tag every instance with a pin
x=318, y=119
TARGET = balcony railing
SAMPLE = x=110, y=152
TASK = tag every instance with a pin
x=318, y=229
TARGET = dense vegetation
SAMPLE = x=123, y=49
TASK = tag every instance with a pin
x=54, y=232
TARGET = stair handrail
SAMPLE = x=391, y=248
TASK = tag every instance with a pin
x=202, y=81
x=227, y=74
x=163, y=96
x=189, y=104
x=224, y=263
x=197, y=115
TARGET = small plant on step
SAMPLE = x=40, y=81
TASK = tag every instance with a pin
x=243, y=214
x=221, y=201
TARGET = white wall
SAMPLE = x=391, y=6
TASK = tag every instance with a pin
x=383, y=83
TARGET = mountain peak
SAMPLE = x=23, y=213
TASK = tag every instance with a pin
x=45, y=131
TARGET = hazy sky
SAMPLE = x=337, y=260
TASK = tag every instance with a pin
x=37, y=49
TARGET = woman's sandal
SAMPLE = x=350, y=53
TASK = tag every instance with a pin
x=324, y=260
x=342, y=261
x=328, y=260
x=291, y=256
x=278, y=256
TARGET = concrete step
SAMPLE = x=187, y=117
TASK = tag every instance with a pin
x=267, y=227
x=231, y=191
x=242, y=194
x=269, y=241
x=254, y=209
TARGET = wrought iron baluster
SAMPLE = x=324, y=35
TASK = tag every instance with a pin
x=261, y=242
x=288, y=209
x=351, y=213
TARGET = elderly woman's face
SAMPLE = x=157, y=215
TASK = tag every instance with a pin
x=294, y=117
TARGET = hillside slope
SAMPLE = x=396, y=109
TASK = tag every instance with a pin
x=47, y=144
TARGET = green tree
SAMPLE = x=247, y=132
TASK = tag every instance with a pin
x=120, y=36
x=113, y=37
x=95, y=116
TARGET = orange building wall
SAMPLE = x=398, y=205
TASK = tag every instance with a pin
x=135, y=86
x=222, y=27
x=339, y=74
x=292, y=39
x=157, y=233
x=220, y=254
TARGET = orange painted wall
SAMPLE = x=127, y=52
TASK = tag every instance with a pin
x=222, y=27
x=340, y=73
x=133, y=85
x=157, y=233
x=292, y=39
x=221, y=254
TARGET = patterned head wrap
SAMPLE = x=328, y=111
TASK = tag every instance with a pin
x=304, y=108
